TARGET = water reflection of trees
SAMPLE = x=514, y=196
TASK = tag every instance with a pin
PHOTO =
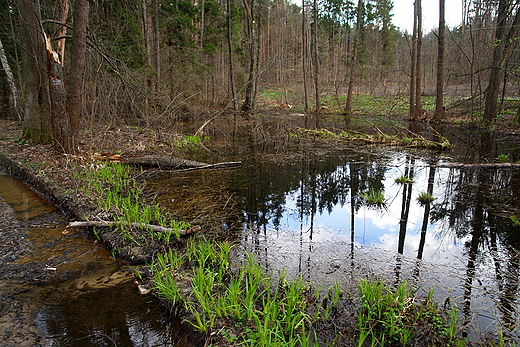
x=473, y=204
x=325, y=183
x=477, y=206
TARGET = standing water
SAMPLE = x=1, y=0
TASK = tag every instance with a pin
x=304, y=209
x=76, y=292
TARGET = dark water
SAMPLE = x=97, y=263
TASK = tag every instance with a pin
x=90, y=300
x=300, y=209
x=297, y=206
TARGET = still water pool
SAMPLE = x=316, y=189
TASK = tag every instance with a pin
x=300, y=208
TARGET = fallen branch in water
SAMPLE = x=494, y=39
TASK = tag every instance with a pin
x=163, y=162
x=156, y=228
x=211, y=166
x=380, y=138
x=483, y=165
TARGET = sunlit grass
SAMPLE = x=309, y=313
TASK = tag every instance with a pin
x=396, y=317
x=119, y=195
x=503, y=158
x=260, y=310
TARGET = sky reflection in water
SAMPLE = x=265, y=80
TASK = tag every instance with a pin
x=468, y=254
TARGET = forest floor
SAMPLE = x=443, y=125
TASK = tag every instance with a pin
x=49, y=172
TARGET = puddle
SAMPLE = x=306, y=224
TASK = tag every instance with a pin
x=301, y=210
x=79, y=295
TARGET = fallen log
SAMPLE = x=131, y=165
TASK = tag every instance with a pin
x=211, y=166
x=156, y=228
x=477, y=165
x=166, y=162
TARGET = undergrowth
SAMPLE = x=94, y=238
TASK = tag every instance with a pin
x=117, y=194
x=248, y=306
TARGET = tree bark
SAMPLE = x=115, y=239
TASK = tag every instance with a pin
x=61, y=127
x=230, y=55
x=156, y=49
x=439, y=98
x=316, y=62
x=76, y=74
x=247, y=106
x=13, y=91
x=413, y=59
x=418, y=89
x=499, y=54
x=304, y=64
x=353, y=66
x=63, y=30
x=256, y=75
x=202, y=24
x=35, y=81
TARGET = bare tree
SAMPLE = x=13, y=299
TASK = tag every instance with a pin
x=230, y=53
x=76, y=73
x=247, y=106
x=354, y=62
x=415, y=75
x=156, y=52
x=304, y=64
x=439, y=96
x=418, y=89
x=316, y=61
x=504, y=35
x=413, y=58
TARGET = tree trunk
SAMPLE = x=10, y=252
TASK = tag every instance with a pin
x=439, y=98
x=156, y=49
x=247, y=106
x=258, y=51
x=418, y=91
x=304, y=65
x=202, y=24
x=35, y=82
x=147, y=36
x=353, y=66
x=385, y=8
x=61, y=127
x=499, y=54
x=231, y=65
x=76, y=73
x=63, y=30
x=13, y=91
x=413, y=59
x=316, y=62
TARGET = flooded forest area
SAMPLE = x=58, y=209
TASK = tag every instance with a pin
x=259, y=173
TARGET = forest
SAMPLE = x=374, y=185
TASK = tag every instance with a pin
x=70, y=64
x=125, y=114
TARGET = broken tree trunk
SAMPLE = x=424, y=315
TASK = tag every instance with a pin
x=156, y=228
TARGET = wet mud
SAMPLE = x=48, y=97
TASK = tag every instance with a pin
x=60, y=287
